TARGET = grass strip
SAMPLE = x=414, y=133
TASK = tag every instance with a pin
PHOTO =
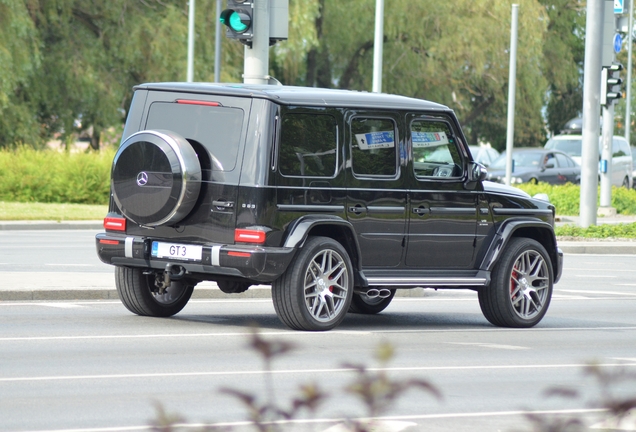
x=51, y=211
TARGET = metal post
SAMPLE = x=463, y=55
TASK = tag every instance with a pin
x=377, y=46
x=512, y=83
x=190, y=76
x=591, y=102
x=605, y=208
x=256, y=66
x=217, y=43
x=628, y=104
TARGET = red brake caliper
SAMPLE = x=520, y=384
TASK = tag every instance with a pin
x=514, y=275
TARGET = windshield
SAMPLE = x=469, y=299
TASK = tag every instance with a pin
x=521, y=160
x=571, y=147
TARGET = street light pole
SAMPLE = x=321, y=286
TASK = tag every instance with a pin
x=377, y=46
x=512, y=83
x=628, y=102
x=190, y=75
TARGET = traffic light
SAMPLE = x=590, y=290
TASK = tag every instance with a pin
x=611, y=83
x=238, y=17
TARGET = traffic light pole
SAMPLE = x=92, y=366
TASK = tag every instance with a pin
x=256, y=65
x=606, y=208
x=591, y=101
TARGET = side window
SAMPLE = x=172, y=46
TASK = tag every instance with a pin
x=618, y=148
x=308, y=145
x=435, y=152
x=562, y=160
x=373, y=147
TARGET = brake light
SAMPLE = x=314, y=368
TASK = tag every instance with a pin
x=196, y=102
x=239, y=254
x=115, y=223
x=249, y=236
x=109, y=242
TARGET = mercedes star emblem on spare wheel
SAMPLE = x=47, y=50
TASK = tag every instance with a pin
x=142, y=178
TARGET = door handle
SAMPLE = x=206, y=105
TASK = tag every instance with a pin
x=357, y=209
x=421, y=211
x=222, y=204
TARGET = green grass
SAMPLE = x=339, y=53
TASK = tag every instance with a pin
x=49, y=211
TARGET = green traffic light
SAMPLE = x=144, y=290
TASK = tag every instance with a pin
x=235, y=20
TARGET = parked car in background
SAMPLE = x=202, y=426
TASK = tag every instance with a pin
x=484, y=154
x=622, y=165
x=533, y=165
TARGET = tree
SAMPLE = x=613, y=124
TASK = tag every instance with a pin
x=453, y=53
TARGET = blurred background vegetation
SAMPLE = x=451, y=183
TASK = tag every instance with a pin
x=67, y=67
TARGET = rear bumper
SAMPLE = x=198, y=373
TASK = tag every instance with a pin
x=256, y=263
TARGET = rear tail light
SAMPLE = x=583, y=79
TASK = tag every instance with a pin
x=249, y=236
x=115, y=223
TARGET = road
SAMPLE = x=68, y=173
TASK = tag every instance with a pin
x=91, y=365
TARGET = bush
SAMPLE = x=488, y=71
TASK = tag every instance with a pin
x=47, y=176
x=598, y=231
x=567, y=198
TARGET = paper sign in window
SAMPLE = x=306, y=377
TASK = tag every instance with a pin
x=374, y=140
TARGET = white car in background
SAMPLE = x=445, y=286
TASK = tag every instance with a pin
x=622, y=164
x=484, y=154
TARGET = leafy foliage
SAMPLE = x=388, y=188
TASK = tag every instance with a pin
x=598, y=231
x=567, y=198
x=68, y=66
x=28, y=175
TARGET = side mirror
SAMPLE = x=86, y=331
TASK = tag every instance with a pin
x=477, y=172
x=549, y=165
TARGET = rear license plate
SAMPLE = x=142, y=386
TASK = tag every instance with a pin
x=177, y=251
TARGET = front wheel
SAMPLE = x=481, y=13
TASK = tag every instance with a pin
x=315, y=292
x=141, y=296
x=521, y=286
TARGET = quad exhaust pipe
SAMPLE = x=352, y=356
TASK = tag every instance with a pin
x=373, y=293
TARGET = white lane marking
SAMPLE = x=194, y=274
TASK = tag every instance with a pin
x=599, y=270
x=627, y=359
x=490, y=345
x=61, y=305
x=303, y=371
x=70, y=265
x=301, y=333
x=334, y=420
x=598, y=292
x=373, y=425
x=594, y=276
x=623, y=284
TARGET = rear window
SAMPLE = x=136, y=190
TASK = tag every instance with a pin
x=571, y=147
x=217, y=128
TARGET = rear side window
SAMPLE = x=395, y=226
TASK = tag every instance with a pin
x=308, y=145
x=217, y=128
x=373, y=147
x=435, y=152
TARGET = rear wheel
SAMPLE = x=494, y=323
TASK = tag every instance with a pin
x=521, y=286
x=363, y=304
x=626, y=182
x=141, y=296
x=315, y=292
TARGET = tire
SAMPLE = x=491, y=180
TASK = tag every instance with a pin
x=521, y=286
x=626, y=183
x=316, y=290
x=362, y=304
x=139, y=294
x=533, y=181
x=156, y=178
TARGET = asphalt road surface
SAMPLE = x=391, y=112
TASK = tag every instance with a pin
x=86, y=365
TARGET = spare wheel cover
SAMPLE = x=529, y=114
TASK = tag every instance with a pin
x=156, y=177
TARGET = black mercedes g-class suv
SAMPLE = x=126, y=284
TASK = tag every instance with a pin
x=335, y=198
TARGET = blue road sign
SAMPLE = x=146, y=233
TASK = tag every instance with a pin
x=618, y=43
x=618, y=6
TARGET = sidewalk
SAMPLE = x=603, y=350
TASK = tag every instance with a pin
x=47, y=286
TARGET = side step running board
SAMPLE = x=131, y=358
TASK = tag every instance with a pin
x=433, y=282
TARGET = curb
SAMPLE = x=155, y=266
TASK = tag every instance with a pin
x=202, y=293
